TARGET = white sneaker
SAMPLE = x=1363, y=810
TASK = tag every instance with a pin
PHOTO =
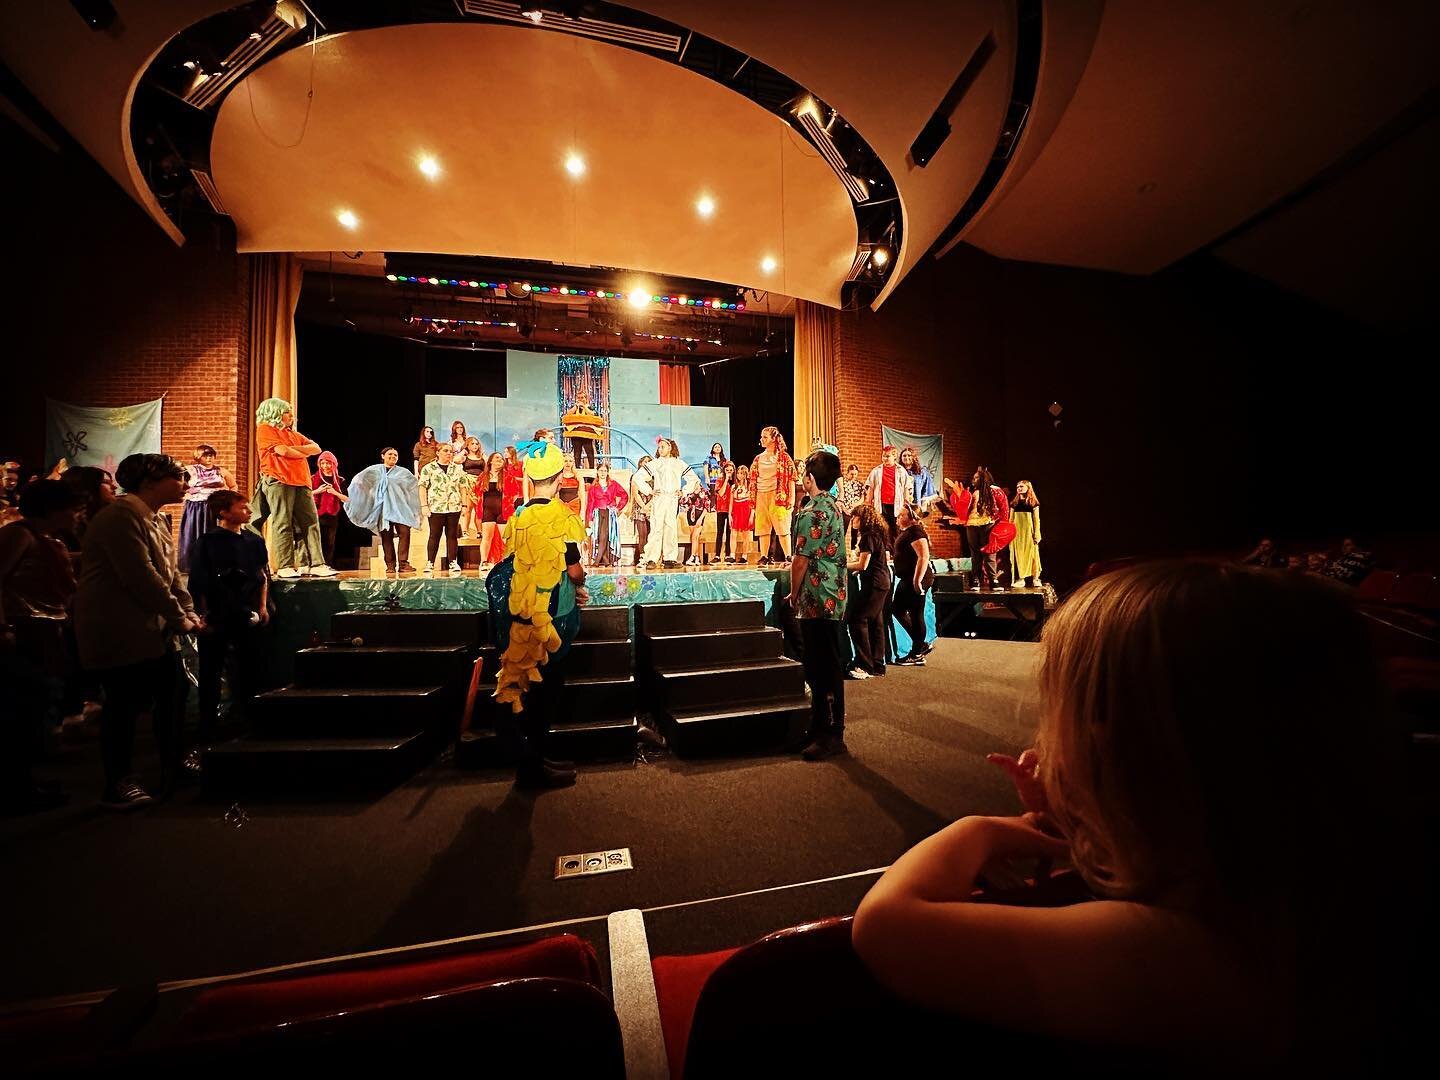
x=287, y=572
x=323, y=571
x=857, y=673
x=429, y=571
x=454, y=567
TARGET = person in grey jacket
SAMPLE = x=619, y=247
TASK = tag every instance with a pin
x=130, y=604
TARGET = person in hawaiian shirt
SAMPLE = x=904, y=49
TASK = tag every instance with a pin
x=817, y=594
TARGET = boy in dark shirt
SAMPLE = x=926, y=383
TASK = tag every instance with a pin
x=230, y=582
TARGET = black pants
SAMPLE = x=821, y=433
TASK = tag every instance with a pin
x=887, y=511
x=247, y=643
x=387, y=543
x=722, y=532
x=910, y=613
x=983, y=568
x=329, y=525
x=642, y=537
x=31, y=687
x=129, y=691
x=450, y=523
x=542, y=708
x=824, y=660
x=866, y=616
x=583, y=448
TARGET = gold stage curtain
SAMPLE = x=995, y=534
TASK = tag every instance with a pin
x=814, y=377
x=674, y=384
x=274, y=292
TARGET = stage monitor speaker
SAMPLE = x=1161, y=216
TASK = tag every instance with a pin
x=98, y=14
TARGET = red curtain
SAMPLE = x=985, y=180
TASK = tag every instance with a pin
x=674, y=384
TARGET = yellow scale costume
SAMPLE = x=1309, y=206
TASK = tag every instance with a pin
x=536, y=536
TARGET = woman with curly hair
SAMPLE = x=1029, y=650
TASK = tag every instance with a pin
x=869, y=563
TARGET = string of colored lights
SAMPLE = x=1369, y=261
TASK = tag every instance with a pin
x=715, y=303
x=434, y=320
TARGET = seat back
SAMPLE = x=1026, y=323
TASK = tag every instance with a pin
x=1418, y=591
x=1377, y=585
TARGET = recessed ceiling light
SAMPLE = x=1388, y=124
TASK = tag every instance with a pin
x=575, y=165
x=534, y=14
x=880, y=256
x=429, y=166
x=706, y=206
x=768, y=264
x=639, y=298
x=347, y=218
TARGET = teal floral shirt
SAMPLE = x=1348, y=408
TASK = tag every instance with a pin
x=820, y=537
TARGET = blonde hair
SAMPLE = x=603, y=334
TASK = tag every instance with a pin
x=1034, y=496
x=1199, y=725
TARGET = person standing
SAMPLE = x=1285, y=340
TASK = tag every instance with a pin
x=457, y=441
x=568, y=491
x=723, y=489
x=489, y=496
x=913, y=576
x=328, y=487
x=742, y=514
x=202, y=476
x=772, y=474
x=285, y=491
x=130, y=604
x=713, y=469
x=230, y=584
x=979, y=507
x=1025, y=548
x=423, y=451
x=887, y=487
x=865, y=612
x=442, y=485
x=385, y=499
x=921, y=481
x=36, y=587
x=474, y=466
x=513, y=488
x=664, y=478
x=817, y=596
x=639, y=510
x=695, y=505
x=603, y=504
x=852, y=496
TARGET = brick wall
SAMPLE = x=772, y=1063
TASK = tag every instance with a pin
x=110, y=312
x=927, y=362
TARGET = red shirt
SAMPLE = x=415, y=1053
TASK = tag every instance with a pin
x=887, y=484
x=722, y=498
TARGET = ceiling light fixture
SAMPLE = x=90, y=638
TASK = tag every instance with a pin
x=575, y=165
x=705, y=207
x=639, y=298
x=880, y=256
x=768, y=264
x=347, y=218
x=429, y=166
x=534, y=14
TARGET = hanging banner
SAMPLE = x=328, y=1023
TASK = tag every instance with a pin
x=929, y=447
x=86, y=435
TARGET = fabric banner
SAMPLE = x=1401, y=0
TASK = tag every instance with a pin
x=85, y=435
x=583, y=384
x=929, y=447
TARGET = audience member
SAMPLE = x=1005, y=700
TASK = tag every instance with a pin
x=36, y=587
x=96, y=489
x=1316, y=562
x=230, y=584
x=130, y=604
x=913, y=577
x=1265, y=555
x=1352, y=566
x=1219, y=936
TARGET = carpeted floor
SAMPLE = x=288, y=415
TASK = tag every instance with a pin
x=194, y=888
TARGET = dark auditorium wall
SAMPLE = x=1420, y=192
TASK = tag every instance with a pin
x=105, y=310
x=1202, y=408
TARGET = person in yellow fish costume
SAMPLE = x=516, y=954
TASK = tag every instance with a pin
x=546, y=591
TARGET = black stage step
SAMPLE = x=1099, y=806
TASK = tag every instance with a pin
x=381, y=665
x=661, y=619
x=296, y=712
x=607, y=623
x=606, y=737
x=749, y=726
x=713, y=647
x=723, y=687
x=287, y=764
x=466, y=628
x=597, y=656
x=594, y=696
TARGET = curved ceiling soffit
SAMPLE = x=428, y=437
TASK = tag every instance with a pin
x=877, y=210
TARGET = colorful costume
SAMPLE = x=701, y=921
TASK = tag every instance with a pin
x=602, y=518
x=1025, y=548
x=535, y=542
x=664, y=478
x=284, y=491
x=197, y=520
x=386, y=500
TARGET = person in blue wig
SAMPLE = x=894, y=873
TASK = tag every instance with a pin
x=385, y=499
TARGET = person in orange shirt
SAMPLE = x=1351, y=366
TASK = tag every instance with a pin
x=285, y=489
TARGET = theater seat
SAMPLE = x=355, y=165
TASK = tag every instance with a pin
x=43, y=1036
x=678, y=982
x=266, y=1002
x=1377, y=585
x=1418, y=591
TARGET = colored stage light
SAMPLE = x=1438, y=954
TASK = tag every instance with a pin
x=391, y=277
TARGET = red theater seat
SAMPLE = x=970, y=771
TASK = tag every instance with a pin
x=43, y=1036
x=678, y=982
x=1377, y=585
x=1418, y=591
x=265, y=1002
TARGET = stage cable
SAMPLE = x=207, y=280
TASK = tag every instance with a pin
x=309, y=94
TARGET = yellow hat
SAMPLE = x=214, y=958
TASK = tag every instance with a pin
x=543, y=459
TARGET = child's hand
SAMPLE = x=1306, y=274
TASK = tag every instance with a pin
x=1024, y=773
x=582, y=595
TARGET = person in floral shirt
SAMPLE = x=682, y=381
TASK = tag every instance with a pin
x=442, y=484
x=817, y=593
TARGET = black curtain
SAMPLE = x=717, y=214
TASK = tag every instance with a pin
x=758, y=391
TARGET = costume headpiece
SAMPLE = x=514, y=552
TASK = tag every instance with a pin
x=271, y=410
x=542, y=458
x=887, y=449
